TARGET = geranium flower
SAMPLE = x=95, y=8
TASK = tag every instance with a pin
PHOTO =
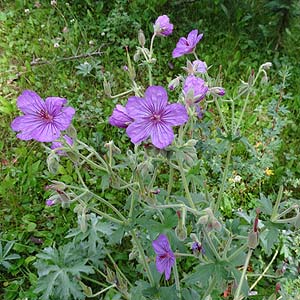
x=120, y=117
x=154, y=117
x=196, y=86
x=42, y=120
x=187, y=45
x=199, y=66
x=162, y=26
x=56, y=145
x=165, y=258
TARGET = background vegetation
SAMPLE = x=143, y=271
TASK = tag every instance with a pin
x=68, y=48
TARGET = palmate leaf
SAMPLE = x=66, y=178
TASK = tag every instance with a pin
x=59, y=271
x=5, y=257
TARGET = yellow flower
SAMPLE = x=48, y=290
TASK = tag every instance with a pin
x=269, y=172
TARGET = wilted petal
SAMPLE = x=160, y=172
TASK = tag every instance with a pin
x=29, y=102
x=175, y=114
x=139, y=130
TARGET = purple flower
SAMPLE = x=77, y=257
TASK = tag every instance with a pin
x=165, y=258
x=154, y=117
x=56, y=145
x=187, y=45
x=120, y=117
x=196, y=86
x=42, y=120
x=197, y=248
x=199, y=66
x=162, y=26
x=50, y=202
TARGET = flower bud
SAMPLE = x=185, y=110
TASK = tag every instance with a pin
x=71, y=132
x=56, y=186
x=266, y=66
x=107, y=88
x=181, y=232
x=252, y=240
x=141, y=38
x=174, y=83
x=53, y=163
x=216, y=225
x=86, y=289
x=203, y=220
x=112, y=147
x=110, y=276
x=136, y=56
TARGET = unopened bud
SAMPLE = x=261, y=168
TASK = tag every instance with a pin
x=71, y=132
x=110, y=276
x=203, y=220
x=174, y=83
x=266, y=66
x=107, y=88
x=216, y=225
x=86, y=289
x=181, y=232
x=252, y=240
x=136, y=56
x=53, y=163
x=112, y=147
x=141, y=38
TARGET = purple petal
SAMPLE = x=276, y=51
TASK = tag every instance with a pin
x=120, y=117
x=64, y=118
x=162, y=135
x=54, y=105
x=161, y=245
x=137, y=108
x=29, y=102
x=156, y=98
x=139, y=130
x=175, y=114
x=45, y=132
x=27, y=124
x=193, y=37
x=181, y=48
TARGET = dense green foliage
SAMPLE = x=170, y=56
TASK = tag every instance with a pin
x=69, y=49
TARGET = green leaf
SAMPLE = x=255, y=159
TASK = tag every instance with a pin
x=202, y=274
x=237, y=276
x=265, y=204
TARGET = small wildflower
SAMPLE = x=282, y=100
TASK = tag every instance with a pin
x=162, y=26
x=50, y=202
x=125, y=68
x=42, y=120
x=187, y=45
x=199, y=66
x=65, y=29
x=154, y=117
x=196, y=87
x=56, y=45
x=53, y=2
x=27, y=11
x=37, y=4
x=269, y=172
x=165, y=258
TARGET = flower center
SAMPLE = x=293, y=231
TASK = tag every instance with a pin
x=166, y=255
x=46, y=116
x=156, y=118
